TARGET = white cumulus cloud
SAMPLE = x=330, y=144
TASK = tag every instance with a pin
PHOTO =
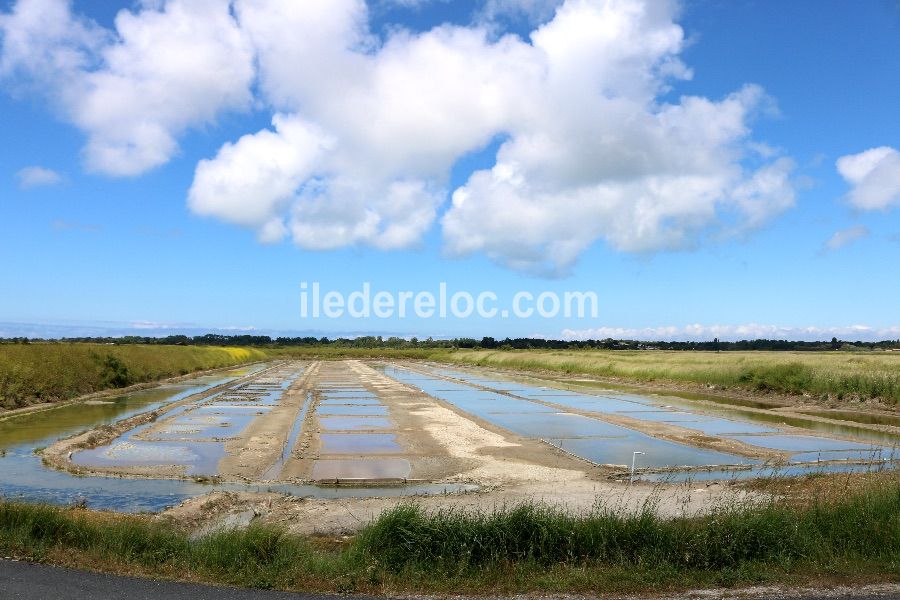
x=31, y=177
x=747, y=331
x=249, y=182
x=366, y=130
x=846, y=236
x=133, y=90
x=874, y=176
x=599, y=157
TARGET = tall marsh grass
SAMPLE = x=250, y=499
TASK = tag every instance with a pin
x=526, y=548
x=255, y=557
x=50, y=372
x=866, y=526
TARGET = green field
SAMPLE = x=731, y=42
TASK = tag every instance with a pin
x=51, y=372
x=522, y=549
x=824, y=375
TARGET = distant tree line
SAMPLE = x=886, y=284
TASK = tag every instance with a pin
x=211, y=339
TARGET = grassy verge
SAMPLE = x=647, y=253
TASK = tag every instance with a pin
x=827, y=375
x=50, y=372
x=529, y=548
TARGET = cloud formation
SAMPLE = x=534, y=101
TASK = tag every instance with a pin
x=846, y=236
x=34, y=176
x=749, y=331
x=874, y=176
x=134, y=90
x=63, y=225
x=365, y=131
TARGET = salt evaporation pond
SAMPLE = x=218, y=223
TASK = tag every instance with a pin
x=541, y=412
x=23, y=477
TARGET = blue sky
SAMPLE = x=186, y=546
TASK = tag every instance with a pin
x=165, y=234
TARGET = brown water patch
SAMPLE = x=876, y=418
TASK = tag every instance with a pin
x=366, y=468
x=855, y=416
x=359, y=443
x=350, y=410
x=354, y=423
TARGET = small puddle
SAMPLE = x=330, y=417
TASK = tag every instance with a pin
x=188, y=428
x=799, y=443
x=657, y=453
x=361, y=393
x=225, y=409
x=354, y=423
x=331, y=401
x=556, y=425
x=197, y=459
x=274, y=471
x=713, y=426
x=872, y=454
x=359, y=443
x=765, y=471
x=813, y=425
x=855, y=416
x=599, y=403
x=351, y=410
x=686, y=395
x=377, y=468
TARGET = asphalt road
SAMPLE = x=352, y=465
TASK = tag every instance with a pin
x=26, y=581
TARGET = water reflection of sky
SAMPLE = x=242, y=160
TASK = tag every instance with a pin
x=604, y=443
x=23, y=477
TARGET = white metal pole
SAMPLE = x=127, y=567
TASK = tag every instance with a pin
x=633, y=457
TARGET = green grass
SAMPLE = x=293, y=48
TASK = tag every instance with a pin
x=528, y=548
x=835, y=375
x=50, y=372
x=454, y=542
x=256, y=557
